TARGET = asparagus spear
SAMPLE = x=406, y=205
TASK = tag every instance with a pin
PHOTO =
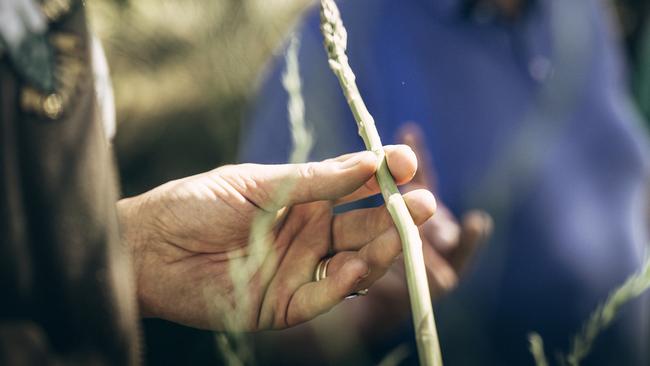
x=335, y=41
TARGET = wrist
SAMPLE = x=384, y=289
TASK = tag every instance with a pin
x=128, y=217
x=134, y=237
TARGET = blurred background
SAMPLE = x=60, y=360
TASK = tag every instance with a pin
x=184, y=72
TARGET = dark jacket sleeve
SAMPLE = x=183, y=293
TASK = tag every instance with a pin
x=65, y=281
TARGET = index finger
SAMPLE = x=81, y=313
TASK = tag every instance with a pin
x=271, y=187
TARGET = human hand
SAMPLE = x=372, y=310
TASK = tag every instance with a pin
x=186, y=235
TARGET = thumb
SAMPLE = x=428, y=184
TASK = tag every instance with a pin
x=271, y=187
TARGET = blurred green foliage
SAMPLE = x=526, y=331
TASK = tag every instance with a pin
x=634, y=20
x=183, y=71
x=642, y=76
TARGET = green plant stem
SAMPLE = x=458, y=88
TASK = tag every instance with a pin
x=238, y=350
x=599, y=320
x=606, y=312
x=537, y=349
x=335, y=40
x=301, y=135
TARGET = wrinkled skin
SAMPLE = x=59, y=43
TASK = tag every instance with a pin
x=185, y=235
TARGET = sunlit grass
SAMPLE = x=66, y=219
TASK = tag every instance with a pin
x=599, y=320
x=236, y=348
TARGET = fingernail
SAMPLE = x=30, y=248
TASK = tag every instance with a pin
x=358, y=158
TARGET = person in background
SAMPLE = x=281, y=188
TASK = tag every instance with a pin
x=524, y=110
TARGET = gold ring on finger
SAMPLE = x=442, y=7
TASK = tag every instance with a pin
x=321, y=269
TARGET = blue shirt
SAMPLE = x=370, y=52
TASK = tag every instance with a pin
x=529, y=119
